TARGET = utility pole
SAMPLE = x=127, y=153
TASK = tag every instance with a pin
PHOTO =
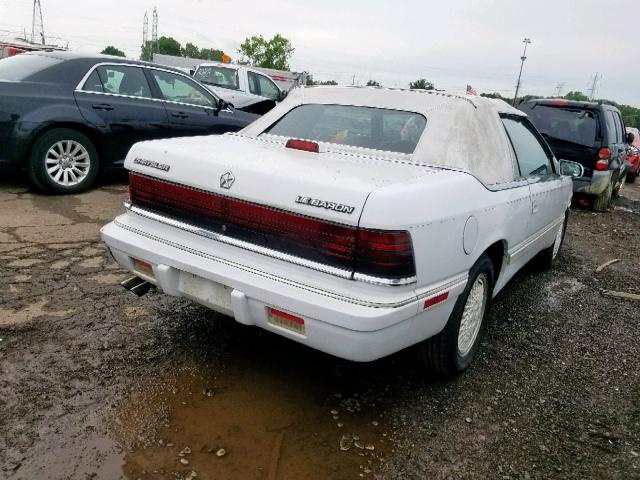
x=594, y=86
x=526, y=42
x=559, y=88
x=154, y=30
x=37, y=25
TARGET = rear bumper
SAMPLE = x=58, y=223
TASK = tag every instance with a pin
x=594, y=185
x=350, y=324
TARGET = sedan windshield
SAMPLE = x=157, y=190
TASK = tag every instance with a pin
x=366, y=127
x=23, y=66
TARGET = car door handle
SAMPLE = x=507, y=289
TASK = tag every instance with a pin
x=179, y=115
x=102, y=106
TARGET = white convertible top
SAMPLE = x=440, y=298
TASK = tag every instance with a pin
x=462, y=132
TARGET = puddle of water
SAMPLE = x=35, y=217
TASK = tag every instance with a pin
x=275, y=419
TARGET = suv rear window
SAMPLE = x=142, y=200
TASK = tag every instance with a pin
x=366, y=127
x=218, y=76
x=567, y=124
x=23, y=66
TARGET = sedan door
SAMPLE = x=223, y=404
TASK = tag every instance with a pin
x=535, y=162
x=192, y=109
x=117, y=99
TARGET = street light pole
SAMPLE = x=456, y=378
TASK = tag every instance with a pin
x=526, y=42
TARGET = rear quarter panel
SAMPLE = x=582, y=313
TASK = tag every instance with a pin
x=435, y=209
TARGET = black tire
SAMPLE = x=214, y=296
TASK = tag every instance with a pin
x=546, y=260
x=37, y=166
x=631, y=177
x=618, y=189
x=440, y=353
x=602, y=202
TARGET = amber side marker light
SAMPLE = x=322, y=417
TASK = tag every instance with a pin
x=286, y=320
x=436, y=300
x=143, y=267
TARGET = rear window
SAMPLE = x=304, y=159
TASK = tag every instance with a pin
x=567, y=124
x=366, y=127
x=23, y=66
x=218, y=76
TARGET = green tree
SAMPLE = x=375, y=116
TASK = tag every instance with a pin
x=211, y=54
x=373, y=83
x=422, y=84
x=190, y=50
x=577, y=96
x=111, y=50
x=169, y=46
x=274, y=53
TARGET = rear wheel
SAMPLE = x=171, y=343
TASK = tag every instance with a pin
x=618, y=189
x=601, y=202
x=453, y=349
x=63, y=161
x=631, y=177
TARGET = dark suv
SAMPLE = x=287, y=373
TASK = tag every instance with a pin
x=592, y=134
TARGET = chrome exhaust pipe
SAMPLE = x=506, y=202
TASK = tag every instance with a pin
x=136, y=285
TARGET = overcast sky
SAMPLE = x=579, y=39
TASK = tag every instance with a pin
x=452, y=43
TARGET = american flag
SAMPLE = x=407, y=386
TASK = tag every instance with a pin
x=471, y=91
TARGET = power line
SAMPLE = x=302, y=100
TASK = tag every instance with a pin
x=559, y=88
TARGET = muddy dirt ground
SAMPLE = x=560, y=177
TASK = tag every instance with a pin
x=98, y=384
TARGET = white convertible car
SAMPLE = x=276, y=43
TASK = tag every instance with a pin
x=358, y=221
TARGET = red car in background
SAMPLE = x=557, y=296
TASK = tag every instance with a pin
x=634, y=155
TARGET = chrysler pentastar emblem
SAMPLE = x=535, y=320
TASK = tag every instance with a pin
x=226, y=180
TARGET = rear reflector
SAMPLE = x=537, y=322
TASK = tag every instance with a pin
x=286, y=320
x=380, y=256
x=142, y=267
x=304, y=145
x=436, y=300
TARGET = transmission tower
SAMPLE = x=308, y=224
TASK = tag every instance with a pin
x=154, y=29
x=559, y=88
x=594, y=86
x=37, y=26
x=145, y=29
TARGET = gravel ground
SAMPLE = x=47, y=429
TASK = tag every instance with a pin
x=96, y=383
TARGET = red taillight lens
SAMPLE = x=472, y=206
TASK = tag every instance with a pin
x=304, y=145
x=605, y=157
x=384, y=254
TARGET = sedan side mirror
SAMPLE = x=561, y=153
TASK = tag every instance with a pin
x=282, y=95
x=630, y=137
x=571, y=169
x=223, y=104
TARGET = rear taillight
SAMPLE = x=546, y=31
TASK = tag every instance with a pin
x=605, y=156
x=385, y=256
x=304, y=145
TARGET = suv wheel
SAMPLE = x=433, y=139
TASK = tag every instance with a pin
x=453, y=349
x=602, y=201
x=618, y=189
x=631, y=177
x=63, y=161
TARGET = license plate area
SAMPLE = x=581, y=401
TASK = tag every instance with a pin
x=207, y=292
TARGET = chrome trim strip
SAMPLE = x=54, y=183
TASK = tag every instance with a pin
x=527, y=243
x=269, y=276
x=265, y=251
x=448, y=284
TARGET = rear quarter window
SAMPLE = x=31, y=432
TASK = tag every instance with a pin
x=366, y=127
